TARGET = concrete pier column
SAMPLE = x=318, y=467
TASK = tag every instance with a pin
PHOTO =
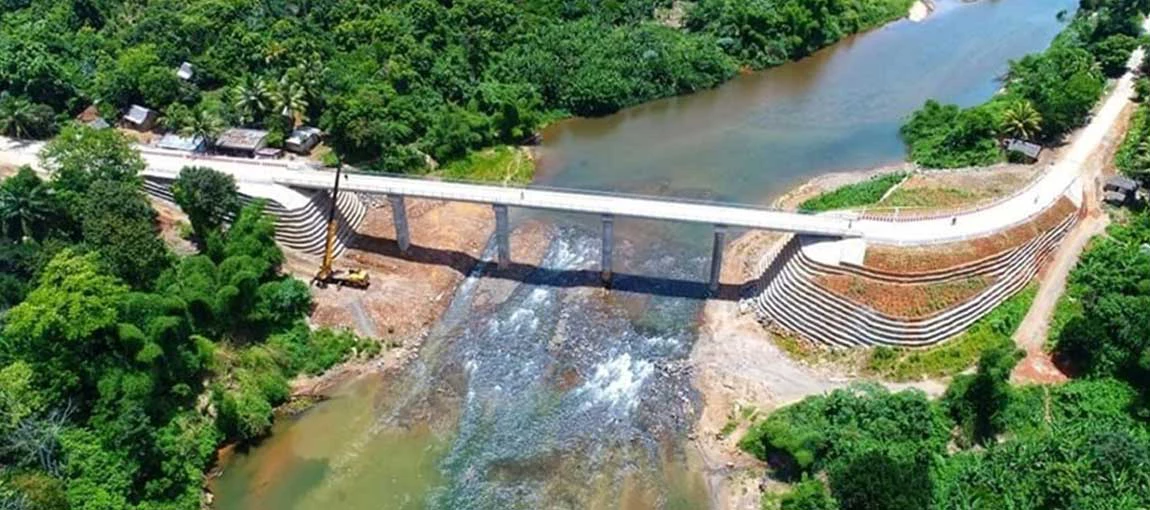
x=502, y=236
x=608, y=245
x=399, y=215
x=717, y=256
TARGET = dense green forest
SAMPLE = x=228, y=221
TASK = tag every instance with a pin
x=1045, y=95
x=122, y=364
x=391, y=80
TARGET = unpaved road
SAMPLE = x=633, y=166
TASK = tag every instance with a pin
x=1038, y=367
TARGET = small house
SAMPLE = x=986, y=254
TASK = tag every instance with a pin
x=1120, y=190
x=1115, y=198
x=172, y=141
x=140, y=118
x=1030, y=150
x=242, y=142
x=302, y=140
x=98, y=123
x=185, y=71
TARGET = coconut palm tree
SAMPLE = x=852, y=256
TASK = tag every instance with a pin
x=1020, y=120
x=24, y=206
x=251, y=98
x=202, y=123
x=290, y=100
x=20, y=118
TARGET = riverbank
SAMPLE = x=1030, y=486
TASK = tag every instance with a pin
x=739, y=365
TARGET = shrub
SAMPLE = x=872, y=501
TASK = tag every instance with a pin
x=854, y=195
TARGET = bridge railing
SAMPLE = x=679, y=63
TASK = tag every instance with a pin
x=581, y=191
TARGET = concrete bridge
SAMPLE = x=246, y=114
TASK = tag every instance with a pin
x=278, y=180
x=275, y=180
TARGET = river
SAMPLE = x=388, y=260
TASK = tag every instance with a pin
x=552, y=394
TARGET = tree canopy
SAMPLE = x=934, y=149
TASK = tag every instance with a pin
x=123, y=365
x=392, y=80
x=1045, y=95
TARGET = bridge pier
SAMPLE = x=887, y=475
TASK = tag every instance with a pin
x=717, y=256
x=399, y=216
x=502, y=236
x=608, y=245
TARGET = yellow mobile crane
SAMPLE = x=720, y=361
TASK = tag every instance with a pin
x=356, y=278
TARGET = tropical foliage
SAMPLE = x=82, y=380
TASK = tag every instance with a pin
x=122, y=365
x=394, y=80
x=1083, y=444
x=860, y=194
x=1133, y=157
x=1045, y=96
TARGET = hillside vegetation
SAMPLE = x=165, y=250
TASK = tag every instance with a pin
x=1045, y=95
x=389, y=80
x=123, y=365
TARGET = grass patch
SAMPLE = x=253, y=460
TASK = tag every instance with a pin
x=728, y=427
x=503, y=164
x=929, y=197
x=868, y=192
x=957, y=354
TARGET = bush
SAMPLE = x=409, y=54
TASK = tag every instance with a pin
x=946, y=136
x=854, y=195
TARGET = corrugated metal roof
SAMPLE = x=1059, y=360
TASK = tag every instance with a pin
x=243, y=139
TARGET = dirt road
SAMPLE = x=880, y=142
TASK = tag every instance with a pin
x=1038, y=367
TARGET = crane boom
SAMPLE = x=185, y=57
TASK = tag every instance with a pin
x=357, y=278
x=325, y=270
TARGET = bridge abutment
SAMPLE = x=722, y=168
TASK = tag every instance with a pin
x=502, y=236
x=608, y=246
x=399, y=216
x=717, y=256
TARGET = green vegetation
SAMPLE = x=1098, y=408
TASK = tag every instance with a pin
x=1083, y=444
x=1102, y=328
x=508, y=165
x=954, y=356
x=395, y=80
x=860, y=194
x=761, y=33
x=985, y=444
x=1133, y=156
x=1046, y=95
x=122, y=365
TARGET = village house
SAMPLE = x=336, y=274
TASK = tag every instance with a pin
x=1120, y=190
x=140, y=118
x=302, y=140
x=242, y=142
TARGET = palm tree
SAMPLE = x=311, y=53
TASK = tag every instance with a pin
x=251, y=98
x=20, y=118
x=204, y=124
x=23, y=208
x=1020, y=120
x=290, y=100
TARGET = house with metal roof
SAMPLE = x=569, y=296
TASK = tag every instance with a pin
x=175, y=142
x=1120, y=190
x=1028, y=149
x=140, y=118
x=302, y=140
x=242, y=142
x=186, y=71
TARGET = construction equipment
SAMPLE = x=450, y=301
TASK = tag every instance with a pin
x=356, y=278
